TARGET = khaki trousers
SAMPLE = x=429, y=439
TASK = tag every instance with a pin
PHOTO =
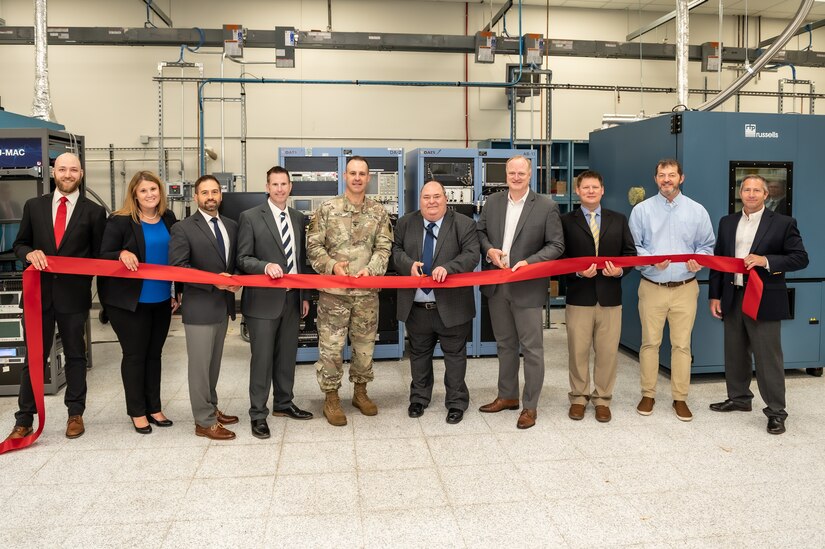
x=677, y=306
x=600, y=328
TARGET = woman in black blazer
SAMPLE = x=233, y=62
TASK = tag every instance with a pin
x=140, y=310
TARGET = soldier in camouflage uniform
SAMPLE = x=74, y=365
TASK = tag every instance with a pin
x=350, y=235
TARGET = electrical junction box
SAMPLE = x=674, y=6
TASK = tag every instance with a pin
x=285, y=47
x=233, y=41
x=533, y=49
x=485, y=47
x=711, y=56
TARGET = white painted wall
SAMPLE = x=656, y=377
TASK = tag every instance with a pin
x=108, y=95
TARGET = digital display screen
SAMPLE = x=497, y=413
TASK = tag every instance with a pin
x=10, y=298
x=13, y=195
x=6, y=352
x=10, y=329
x=302, y=205
x=779, y=177
x=495, y=172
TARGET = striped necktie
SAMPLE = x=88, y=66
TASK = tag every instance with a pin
x=594, y=229
x=286, y=240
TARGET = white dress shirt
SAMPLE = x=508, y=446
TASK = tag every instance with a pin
x=514, y=209
x=223, y=230
x=276, y=211
x=72, y=202
x=745, y=233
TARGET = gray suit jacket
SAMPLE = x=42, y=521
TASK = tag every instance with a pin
x=192, y=244
x=259, y=243
x=539, y=237
x=456, y=250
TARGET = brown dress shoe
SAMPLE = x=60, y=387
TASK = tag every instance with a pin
x=576, y=412
x=602, y=413
x=225, y=419
x=498, y=405
x=74, y=427
x=682, y=410
x=645, y=406
x=215, y=432
x=19, y=432
x=527, y=418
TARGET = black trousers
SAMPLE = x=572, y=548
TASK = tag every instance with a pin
x=142, y=334
x=72, y=327
x=274, y=345
x=744, y=336
x=425, y=329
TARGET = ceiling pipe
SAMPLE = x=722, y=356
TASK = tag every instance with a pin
x=42, y=103
x=682, y=35
x=804, y=8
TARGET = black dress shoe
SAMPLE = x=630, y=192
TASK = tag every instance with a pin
x=776, y=425
x=294, y=412
x=159, y=422
x=730, y=406
x=454, y=415
x=142, y=430
x=260, y=429
x=416, y=409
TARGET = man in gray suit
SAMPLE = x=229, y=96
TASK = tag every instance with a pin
x=207, y=242
x=271, y=241
x=434, y=242
x=518, y=227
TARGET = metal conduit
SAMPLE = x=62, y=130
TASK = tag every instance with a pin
x=804, y=8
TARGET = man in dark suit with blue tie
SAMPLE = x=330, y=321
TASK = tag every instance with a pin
x=62, y=223
x=271, y=241
x=436, y=243
x=206, y=241
x=770, y=245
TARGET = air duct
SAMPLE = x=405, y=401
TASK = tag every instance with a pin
x=682, y=36
x=778, y=44
x=42, y=104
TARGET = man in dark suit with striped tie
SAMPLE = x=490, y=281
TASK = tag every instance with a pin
x=594, y=297
x=271, y=241
x=62, y=223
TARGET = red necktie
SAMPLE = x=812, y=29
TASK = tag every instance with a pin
x=60, y=221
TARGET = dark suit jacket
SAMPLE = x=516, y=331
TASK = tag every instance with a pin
x=539, y=237
x=259, y=243
x=456, y=250
x=122, y=233
x=193, y=244
x=615, y=240
x=66, y=293
x=778, y=239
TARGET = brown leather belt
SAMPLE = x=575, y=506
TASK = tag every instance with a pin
x=671, y=284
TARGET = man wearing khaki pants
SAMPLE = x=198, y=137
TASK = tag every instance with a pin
x=665, y=224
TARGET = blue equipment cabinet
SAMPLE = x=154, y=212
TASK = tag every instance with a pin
x=715, y=150
x=318, y=175
x=469, y=175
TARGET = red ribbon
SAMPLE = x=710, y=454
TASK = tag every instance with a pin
x=102, y=267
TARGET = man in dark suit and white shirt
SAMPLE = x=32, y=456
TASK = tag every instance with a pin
x=518, y=227
x=206, y=241
x=271, y=241
x=435, y=242
x=593, y=311
x=62, y=223
x=770, y=245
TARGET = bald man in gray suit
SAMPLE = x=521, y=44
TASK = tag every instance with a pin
x=518, y=227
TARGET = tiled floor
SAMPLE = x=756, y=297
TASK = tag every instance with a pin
x=390, y=481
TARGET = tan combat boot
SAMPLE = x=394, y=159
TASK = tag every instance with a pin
x=332, y=410
x=361, y=401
